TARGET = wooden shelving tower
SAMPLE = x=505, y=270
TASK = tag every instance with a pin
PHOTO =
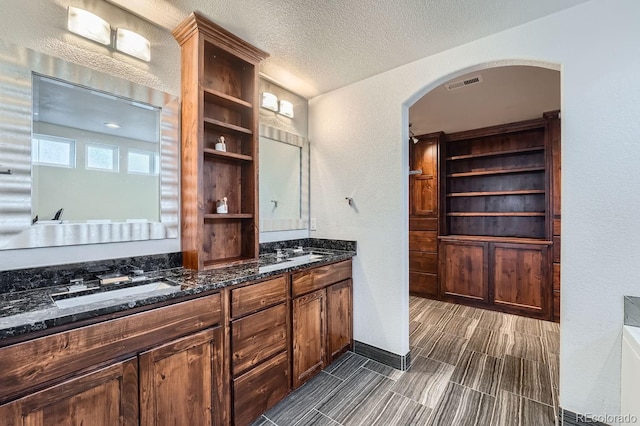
x=219, y=98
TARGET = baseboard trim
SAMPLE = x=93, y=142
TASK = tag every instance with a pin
x=399, y=362
x=569, y=418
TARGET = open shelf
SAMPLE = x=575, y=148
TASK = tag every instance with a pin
x=496, y=153
x=227, y=126
x=227, y=154
x=221, y=263
x=225, y=100
x=496, y=172
x=496, y=214
x=212, y=216
x=494, y=193
x=483, y=238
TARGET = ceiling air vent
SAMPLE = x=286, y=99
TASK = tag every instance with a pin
x=464, y=83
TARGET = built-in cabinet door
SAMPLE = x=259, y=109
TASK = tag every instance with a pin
x=464, y=270
x=106, y=397
x=520, y=277
x=309, y=336
x=423, y=186
x=178, y=381
x=339, y=319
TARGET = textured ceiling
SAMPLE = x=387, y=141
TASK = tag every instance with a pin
x=318, y=46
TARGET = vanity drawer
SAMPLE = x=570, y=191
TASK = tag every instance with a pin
x=245, y=300
x=316, y=278
x=61, y=355
x=260, y=389
x=257, y=337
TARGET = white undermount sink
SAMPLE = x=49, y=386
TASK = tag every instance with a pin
x=292, y=261
x=71, y=301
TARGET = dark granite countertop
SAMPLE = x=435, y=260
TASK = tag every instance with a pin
x=30, y=310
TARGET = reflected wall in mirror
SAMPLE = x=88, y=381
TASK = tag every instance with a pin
x=284, y=180
x=95, y=210
x=90, y=148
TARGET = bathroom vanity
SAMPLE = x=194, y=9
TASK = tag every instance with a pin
x=221, y=348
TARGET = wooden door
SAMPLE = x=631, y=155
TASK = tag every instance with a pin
x=423, y=187
x=179, y=381
x=464, y=270
x=339, y=319
x=309, y=336
x=106, y=397
x=520, y=277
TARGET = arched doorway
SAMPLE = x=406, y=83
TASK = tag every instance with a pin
x=482, y=211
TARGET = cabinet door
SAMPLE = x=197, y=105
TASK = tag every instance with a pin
x=106, y=397
x=339, y=319
x=309, y=336
x=464, y=270
x=178, y=381
x=423, y=188
x=520, y=278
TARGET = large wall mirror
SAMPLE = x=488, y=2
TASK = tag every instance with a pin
x=284, y=180
x=85, y=157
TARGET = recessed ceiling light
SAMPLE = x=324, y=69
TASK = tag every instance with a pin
x=112, y=125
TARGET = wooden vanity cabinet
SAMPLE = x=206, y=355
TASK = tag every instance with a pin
x=106, y=397
x=322, y=323
x=78, y=376
x=260, y=356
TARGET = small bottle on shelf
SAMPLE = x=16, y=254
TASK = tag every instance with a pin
x=221, y=206
x=220, y=145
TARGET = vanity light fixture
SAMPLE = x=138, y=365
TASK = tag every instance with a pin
x=286, y=109
x=95, y=28
x=88, y=25
x=269, y=101
x=133, y=44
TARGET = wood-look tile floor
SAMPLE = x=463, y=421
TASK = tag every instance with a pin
x=469, y=367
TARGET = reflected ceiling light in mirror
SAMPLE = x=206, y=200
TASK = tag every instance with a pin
x=133, y=44
x=286, y=109
x=88, y=25
x=269, y=101
x=112, y=125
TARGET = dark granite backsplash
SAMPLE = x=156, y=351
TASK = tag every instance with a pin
x=318, y=243
x=27, y=279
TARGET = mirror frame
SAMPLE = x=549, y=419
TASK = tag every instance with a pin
x=287, y=224
x=16, y=230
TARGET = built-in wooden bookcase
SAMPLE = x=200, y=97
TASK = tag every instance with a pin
x=219, y=99
x=499, y=217
x=496, y=182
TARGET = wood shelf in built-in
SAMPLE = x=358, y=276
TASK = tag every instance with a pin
x=223, y=262
x=227, y=154
x=493, y=193
x=225, y=100
x=495, y=214
x=496, y=172
x=497, y=153
x=228, y=216
x=227, y=126
x=483, y=238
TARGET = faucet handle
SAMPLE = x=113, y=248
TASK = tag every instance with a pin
x=76, y=281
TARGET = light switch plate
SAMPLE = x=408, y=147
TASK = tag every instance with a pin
x=312, y=224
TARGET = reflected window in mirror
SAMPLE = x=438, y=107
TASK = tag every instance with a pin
x=94, y=155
